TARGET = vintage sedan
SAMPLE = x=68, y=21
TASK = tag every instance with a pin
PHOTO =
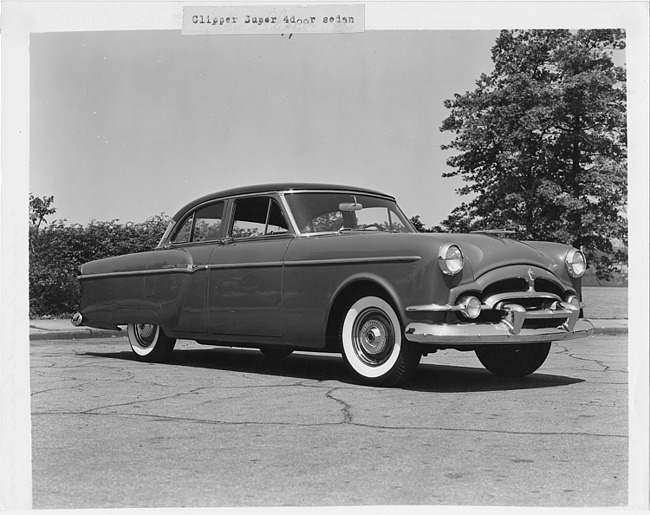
x=319, y=267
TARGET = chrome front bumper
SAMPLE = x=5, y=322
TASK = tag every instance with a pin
x=476, y=334
x=508, y=331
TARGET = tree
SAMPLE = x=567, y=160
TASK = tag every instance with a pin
x=541, y=142
x=419, y=225
x=39, y=208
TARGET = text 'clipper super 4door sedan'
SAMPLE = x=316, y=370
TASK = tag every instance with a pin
x=329, y=268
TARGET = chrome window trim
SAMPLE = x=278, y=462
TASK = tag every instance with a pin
x=287, y=210
x=348, y=192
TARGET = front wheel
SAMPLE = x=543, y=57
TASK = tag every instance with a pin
x=513, y=360
x=373, y=346
x=150, y=343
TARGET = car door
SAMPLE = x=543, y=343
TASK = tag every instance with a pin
x=198, y=234
x=245, y=280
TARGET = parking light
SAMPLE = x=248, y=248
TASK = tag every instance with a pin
x=470, y=306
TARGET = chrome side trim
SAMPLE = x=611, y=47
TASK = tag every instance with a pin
x=353, y=261
x=140, y=272
x=261, y=264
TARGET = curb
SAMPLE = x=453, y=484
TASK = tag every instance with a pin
x=612, y=331
x=78, y=334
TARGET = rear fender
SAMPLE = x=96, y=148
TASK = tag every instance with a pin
x=147, y=287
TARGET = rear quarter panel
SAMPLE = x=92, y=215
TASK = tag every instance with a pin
x=146, y=287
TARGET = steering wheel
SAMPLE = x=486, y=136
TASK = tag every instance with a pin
x=376, y=227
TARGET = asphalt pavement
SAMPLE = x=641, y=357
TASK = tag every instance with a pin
x=219, y=427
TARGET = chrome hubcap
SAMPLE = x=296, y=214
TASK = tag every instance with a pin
x=145, y=333
x=373, y=337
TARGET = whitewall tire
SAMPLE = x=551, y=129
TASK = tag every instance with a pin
x=373, y=344
x=149, y=342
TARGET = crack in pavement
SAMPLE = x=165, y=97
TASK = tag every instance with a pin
x=345, y=409
x=606, y=368
x=196, y=391
x=145, y=401
x=343, y=422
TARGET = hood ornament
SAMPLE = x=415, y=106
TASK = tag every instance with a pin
x=531, y=280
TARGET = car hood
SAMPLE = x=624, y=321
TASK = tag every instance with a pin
x=485, y=253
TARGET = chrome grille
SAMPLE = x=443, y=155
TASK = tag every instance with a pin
x=544, y=285
x=508, y=285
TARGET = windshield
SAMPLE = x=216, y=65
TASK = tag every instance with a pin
x=333, y=212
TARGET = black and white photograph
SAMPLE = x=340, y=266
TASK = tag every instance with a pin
x=343, y=256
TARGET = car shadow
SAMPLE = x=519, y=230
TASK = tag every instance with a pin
x=453, y=379
x=330, y=367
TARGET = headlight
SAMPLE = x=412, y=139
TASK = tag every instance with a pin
x=450, y=259
x=576, y=264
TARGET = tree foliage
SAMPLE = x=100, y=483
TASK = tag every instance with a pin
x=39, y=208
x=419, y=225
x=541, y=142
x=57, y=250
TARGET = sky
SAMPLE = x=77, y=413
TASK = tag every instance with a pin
x=129, y=124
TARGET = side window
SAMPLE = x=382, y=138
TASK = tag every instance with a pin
x=183, y=234
x=207, y=224
x=258, y=216
x=203, y=225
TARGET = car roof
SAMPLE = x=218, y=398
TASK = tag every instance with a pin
x=272, y=188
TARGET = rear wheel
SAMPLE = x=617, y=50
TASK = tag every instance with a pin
x=149, y=342
x=513, y=360
x=373, y=345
